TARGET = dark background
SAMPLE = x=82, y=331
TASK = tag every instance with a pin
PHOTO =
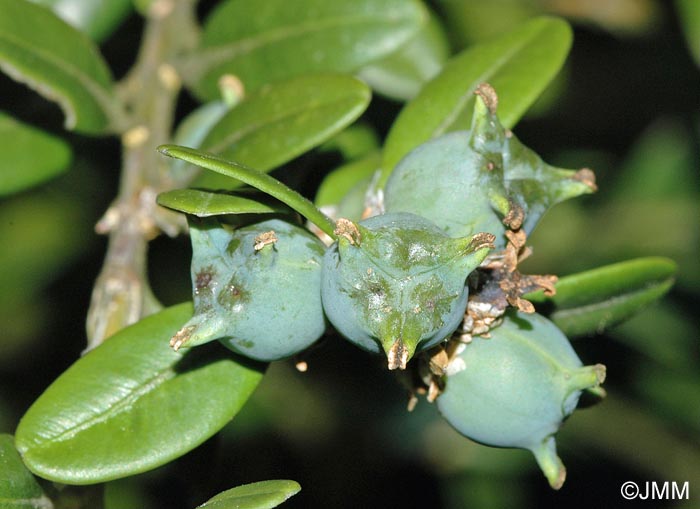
x=626, y=104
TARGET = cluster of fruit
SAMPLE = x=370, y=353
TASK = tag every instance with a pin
x=436, y=270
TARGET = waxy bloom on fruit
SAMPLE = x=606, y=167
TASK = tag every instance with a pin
x=396, y=283
x=516, y=388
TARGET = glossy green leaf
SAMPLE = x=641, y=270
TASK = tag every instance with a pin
x=519, y=65
x=262, y=42
x=402, y=74
x=254, y=178
x=590, y=302
x=340, y=181
x=96, y=18
x=60, y=63
x=257, y=495
x=29, y=156
x=18, y=487
x=133, y=404
x=284, y=120
x=203, y=203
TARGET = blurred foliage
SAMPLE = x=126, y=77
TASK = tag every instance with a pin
x=628, y=105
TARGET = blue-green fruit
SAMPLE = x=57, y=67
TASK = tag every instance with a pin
x=396, y=283
x=256, y=289
x=516, y=388
x=481, y=180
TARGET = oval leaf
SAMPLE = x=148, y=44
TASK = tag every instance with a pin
x=262, y=42
x=590, y=302
x=210, y=203
x=519, y=65
x=257, y=495
x=60, y=63
x=402, y=74
x=258, y=180
x=29, y=156
x=133, y=404
x=97, y=18
x=284, y=120
x=18, y=488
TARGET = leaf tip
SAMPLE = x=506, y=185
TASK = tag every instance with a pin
x=165, y=149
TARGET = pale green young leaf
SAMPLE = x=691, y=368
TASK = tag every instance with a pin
x=256, y=179
x=263, y=42
x=133, y=404
x=519, y=65
x=257, y=495
x=59, y=62
x=29, y=156
x=202, y=203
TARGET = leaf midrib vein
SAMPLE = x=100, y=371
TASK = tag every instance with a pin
x=97, y=90
x=236, y=136
x=124, y=403
x=217, y=53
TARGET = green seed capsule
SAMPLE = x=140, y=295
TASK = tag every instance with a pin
x=396, y=283
x=256, y=289
x=516, y=388
x=481, y=180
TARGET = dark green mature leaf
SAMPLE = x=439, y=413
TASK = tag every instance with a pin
x=262, y=42
x=257, y=495
x=133, y=404
x=18, y=488
x=96, y=18
x=590, y=302
x=60, y=63
x=402, y=74
x=254, y=178
x=211, y=203
x=519, y=65
x=284, y=120
x=29, y=156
